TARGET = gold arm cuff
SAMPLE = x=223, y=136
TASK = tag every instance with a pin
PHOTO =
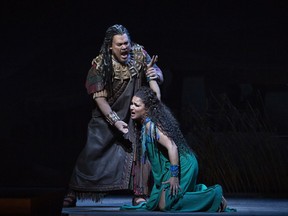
x=98, y=94
x=112, y=118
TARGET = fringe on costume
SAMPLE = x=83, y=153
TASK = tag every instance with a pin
x=96, y=197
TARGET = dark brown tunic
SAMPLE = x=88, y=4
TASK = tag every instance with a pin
x=105, y=163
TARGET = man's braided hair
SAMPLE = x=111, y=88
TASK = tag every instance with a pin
x=107, y=55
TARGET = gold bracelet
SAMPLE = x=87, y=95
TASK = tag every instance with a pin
x=112, y=118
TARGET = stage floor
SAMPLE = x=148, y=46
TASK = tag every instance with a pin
x=245, y=206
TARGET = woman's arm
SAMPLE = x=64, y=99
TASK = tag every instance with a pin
x=174, y=160
x=152, y=75
x=155, y=87
x=171, y=148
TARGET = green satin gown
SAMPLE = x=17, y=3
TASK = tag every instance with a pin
x=192, y=197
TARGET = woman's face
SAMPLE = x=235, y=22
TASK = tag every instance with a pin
x=137, y=108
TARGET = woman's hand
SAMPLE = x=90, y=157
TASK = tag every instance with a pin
x=174, y=185
x=93, y=61
x=151, y=74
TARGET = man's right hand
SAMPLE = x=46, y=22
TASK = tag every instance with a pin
x=93, y=61
x=122, y=126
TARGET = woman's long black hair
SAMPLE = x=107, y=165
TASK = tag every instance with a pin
x=162, y=117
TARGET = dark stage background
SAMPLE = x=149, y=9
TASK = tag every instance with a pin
x=225, y=68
